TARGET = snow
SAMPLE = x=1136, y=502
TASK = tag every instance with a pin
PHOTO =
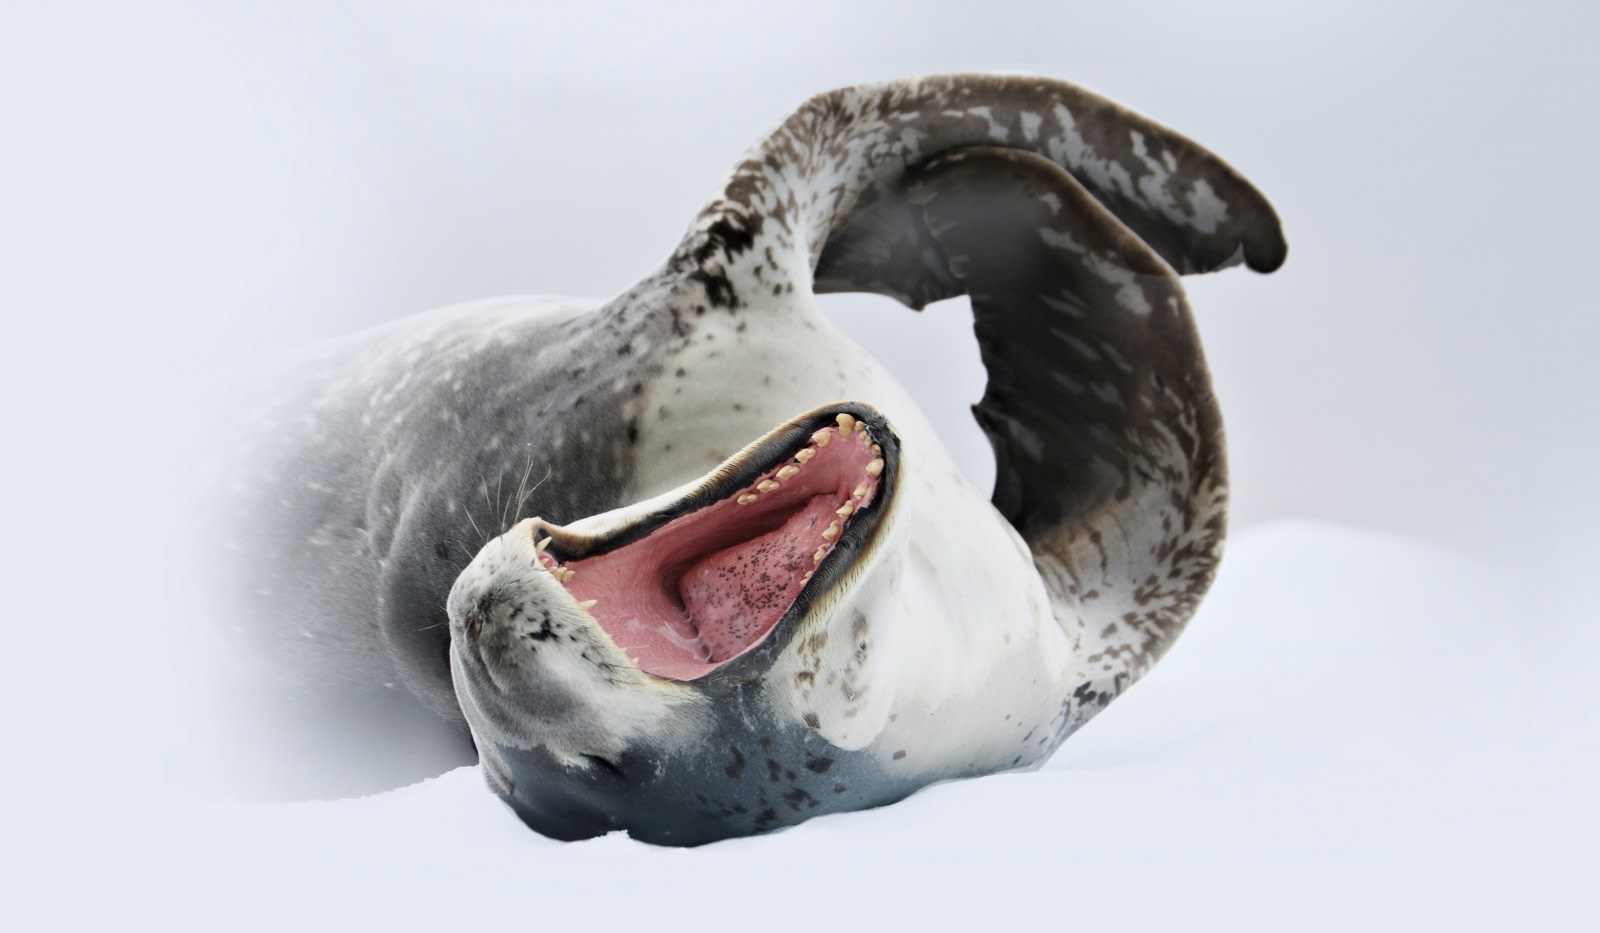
x=1336, y=740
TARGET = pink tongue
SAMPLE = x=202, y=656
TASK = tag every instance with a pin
x=739, y=593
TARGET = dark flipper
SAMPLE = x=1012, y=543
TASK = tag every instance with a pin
x=1108, y=442
x=1066, y=218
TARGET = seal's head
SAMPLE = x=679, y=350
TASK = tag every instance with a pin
x=608, y=666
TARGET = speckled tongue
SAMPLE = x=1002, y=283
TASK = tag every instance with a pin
x=710, y=585
x=738, y=594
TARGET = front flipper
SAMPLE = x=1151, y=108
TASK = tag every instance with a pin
x=824, y=192
x=1108, y=441
x=1066, y=218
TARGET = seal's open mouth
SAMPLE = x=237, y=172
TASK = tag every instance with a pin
x=704, y=581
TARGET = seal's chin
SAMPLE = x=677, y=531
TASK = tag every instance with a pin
x=705, y=579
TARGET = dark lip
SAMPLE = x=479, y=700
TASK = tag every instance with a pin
x=779, y=445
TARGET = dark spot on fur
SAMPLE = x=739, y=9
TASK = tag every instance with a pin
x=719, y=290
x=797, y=796
x=899, y=754
x=813, y=721
x=819, y=765
x=545, y=629
x=441, y=550
x=736, y=767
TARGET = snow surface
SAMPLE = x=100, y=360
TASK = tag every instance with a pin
x=1334, y=741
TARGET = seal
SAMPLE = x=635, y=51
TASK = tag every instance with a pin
x=717, y=627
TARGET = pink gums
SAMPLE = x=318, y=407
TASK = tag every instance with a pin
x=708, y=586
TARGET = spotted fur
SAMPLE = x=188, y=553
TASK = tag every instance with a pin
x=972, y=636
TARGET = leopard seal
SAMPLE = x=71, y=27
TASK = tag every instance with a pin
x=755, y=588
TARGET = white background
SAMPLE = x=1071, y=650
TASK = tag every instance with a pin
x=1383, y=714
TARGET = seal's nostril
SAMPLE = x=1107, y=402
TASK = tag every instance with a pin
x=606, y=765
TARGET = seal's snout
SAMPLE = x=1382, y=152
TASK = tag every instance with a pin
x=509, y=590
x=531, y=667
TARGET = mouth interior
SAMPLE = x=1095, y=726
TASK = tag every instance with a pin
x=708, y=586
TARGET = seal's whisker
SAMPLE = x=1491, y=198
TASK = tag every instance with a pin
x=483, y=486
x=521, y=504
x=484, y=538
x=522, y=484
x=497, y=481
x=523, y=497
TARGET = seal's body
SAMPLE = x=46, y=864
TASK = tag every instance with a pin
x=715, y=626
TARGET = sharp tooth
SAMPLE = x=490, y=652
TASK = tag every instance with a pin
x=806, y=454
x=875, y=467
x=877, y=451
x=788, y=471
x=822, y=438
x=807, y=577
x=748, y=498
x=847, y=423
x=587, y=604
x=860, y=491
x=768, y=485
x=831, y=532
x=541, y=545
x=564, y=575
x=821, y=553
x=846, y=510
